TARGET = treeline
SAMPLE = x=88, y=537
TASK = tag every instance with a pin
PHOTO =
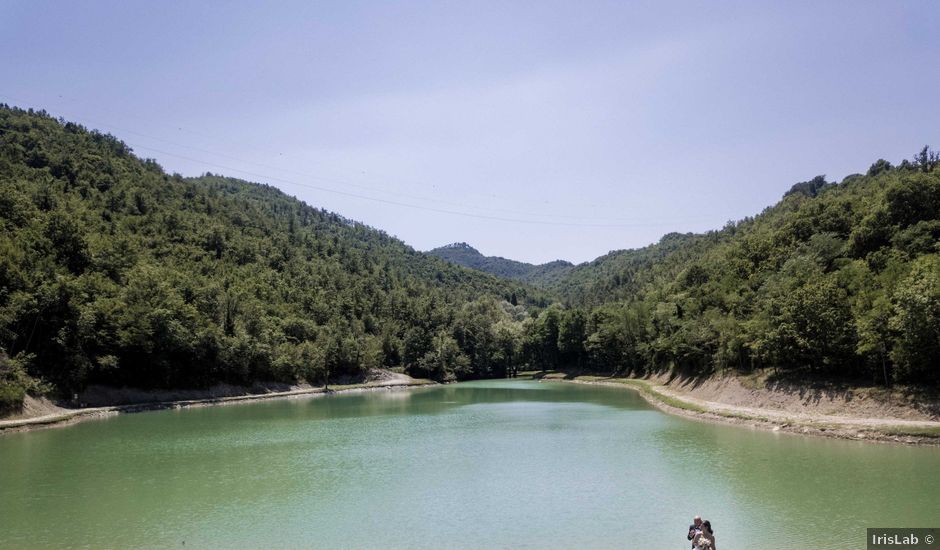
x=836, y=281
x=114, y=272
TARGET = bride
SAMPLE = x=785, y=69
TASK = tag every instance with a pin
x=704, y=539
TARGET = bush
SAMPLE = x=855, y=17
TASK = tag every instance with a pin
x=11, y=397
x=15, y=383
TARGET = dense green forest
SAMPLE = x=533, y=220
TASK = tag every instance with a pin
x=467, y=256
x=115, y=272
x=835, y=282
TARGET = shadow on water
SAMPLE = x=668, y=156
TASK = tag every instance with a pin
x=428, y=400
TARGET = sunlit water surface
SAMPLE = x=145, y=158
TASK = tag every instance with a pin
x=496, y=464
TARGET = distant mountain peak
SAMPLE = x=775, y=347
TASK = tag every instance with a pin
x=458, y=246
x=463, y=254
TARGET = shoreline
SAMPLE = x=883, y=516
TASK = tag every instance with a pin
x=73, y=416
x=660, y=396
x=877, y=430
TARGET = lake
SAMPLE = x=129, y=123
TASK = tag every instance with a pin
x=492, y=464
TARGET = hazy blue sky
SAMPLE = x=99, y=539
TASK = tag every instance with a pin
x=567, y=129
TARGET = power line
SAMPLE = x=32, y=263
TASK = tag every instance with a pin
x=371, y=198
x=345, y=182
x=386, y=201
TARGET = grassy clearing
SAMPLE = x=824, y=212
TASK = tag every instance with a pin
x=645, y=387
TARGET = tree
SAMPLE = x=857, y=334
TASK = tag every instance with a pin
x=926, y=160
x=68, y=242
x=880, y=167
x=508, y=346
x=541, y=342
x=874, y=335
x=571, y=336
x=917, y=321
x=445, y=361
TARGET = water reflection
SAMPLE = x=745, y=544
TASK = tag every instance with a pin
x=485, y=464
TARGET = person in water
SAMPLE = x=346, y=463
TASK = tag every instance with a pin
x=702, y=536
x=708, y=534
x=695, y=529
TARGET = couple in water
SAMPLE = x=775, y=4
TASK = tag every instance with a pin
x=701, y=534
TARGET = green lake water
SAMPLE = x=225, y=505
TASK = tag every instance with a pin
x=495, y=464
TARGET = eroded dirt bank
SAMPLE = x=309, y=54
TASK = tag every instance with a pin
x=872, y=414
x=99, y=401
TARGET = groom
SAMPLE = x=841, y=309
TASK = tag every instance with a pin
x=695, y=528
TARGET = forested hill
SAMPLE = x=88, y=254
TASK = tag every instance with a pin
x=467, y=256
x=838, y=280
x=112, y=271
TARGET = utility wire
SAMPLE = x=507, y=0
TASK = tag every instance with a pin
x=365, y=187
x=627, y=223
x=386, y=201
